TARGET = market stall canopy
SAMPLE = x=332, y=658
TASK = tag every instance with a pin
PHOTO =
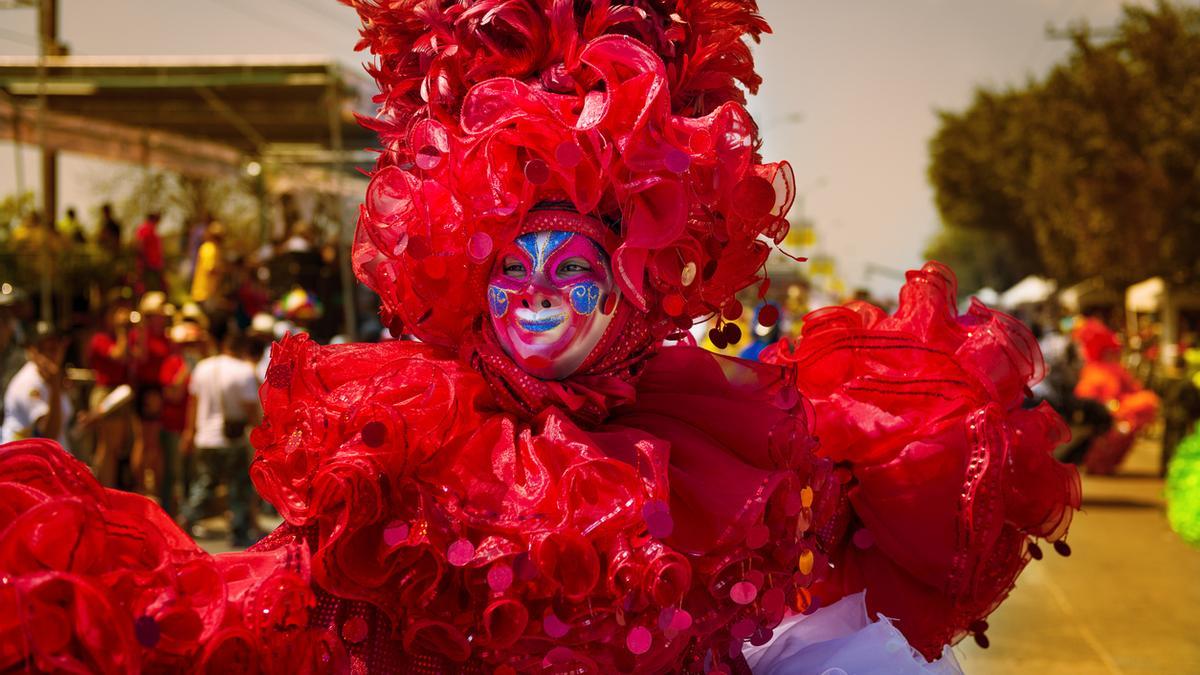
x=298, y=109
x=1145, y=296
x=1032, y=290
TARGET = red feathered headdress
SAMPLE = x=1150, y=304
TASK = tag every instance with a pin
x=633, y=110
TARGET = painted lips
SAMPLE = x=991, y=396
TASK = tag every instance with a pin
x=540, y=321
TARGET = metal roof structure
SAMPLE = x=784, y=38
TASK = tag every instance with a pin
x=298, y=107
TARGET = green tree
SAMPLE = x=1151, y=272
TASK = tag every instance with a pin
x=1091, y=170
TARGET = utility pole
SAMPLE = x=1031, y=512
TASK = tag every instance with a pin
x=48, y=46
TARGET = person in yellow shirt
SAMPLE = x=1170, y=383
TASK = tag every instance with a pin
x=206, y=279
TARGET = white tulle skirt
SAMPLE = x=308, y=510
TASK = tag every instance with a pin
x=841, y=639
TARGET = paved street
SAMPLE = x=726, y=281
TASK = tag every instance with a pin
x=1126, y=601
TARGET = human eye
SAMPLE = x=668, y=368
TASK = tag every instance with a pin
x=573, y=266
x=514, y=268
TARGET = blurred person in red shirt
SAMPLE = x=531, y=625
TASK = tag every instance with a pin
x=108, y=356
x=156, y=368
x=149, y=255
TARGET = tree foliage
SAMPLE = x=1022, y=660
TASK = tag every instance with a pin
x=1091, y=170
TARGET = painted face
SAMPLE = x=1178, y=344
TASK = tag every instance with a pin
x=548, y=296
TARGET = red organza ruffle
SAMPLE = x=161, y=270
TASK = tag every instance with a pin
x=646, y=544
x=99, y=581
x=950, y=479
x=632, y=112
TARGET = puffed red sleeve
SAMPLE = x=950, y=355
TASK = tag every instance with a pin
x=949, y=480
x=100, y=581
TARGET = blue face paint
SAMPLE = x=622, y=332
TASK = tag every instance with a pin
x=542, y=325
x=539, y=246
x=498, y=301
x=585, y=297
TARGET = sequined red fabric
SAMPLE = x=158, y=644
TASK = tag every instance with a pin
x=482, y=536
x=949, y=478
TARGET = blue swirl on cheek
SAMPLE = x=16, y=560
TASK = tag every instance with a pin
x=498, y=301
x=585, y=297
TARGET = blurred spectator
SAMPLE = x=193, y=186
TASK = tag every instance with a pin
x=35, y=235
x=12, y=356
x=69, y=227
x=302, y=239
x=149, y=255
x=108, y=356
x=250, y=293
x=223, y=407
x=1181, y=410
x=206, y=277
x=108, y=235
x=149, y=350
x=262, y=334
x=1062, y=369
x=190, y=335
x=191, y=239
x=36, y=404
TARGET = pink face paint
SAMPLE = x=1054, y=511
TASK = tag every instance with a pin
x=546, y=297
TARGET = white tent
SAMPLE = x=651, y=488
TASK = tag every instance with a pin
x=1031, y=290
x=1146, y=296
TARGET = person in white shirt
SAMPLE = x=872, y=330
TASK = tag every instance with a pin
x=222, y=409
x=36, y=404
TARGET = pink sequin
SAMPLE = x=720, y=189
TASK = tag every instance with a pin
x=554, y=626
x=743, y=593
x=500, y=577
x=658, y=519
x=395, y=533
x=479, y=247
x=864, y=539
x=460, y=553
x=757, y=536
x=639, y=640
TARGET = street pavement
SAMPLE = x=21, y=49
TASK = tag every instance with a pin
x=1126, y=601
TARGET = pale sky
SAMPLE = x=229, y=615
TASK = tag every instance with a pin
x=849, y=98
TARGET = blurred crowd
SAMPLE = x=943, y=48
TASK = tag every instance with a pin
x=149, y=372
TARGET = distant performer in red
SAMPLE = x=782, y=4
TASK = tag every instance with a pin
x=538, y=483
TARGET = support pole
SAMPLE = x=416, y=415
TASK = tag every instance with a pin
x=345, y=227
x=47, y=46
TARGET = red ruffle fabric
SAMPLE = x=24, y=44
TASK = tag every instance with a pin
x=630, y=111
x=100, y=581
x=951, y=479
x=659, y=539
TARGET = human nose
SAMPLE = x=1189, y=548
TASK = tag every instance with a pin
x=542, y=296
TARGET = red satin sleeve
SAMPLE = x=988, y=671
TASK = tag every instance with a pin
x=100, y=581
x=950, y=481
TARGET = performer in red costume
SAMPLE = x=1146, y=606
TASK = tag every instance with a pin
x=538, y=485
